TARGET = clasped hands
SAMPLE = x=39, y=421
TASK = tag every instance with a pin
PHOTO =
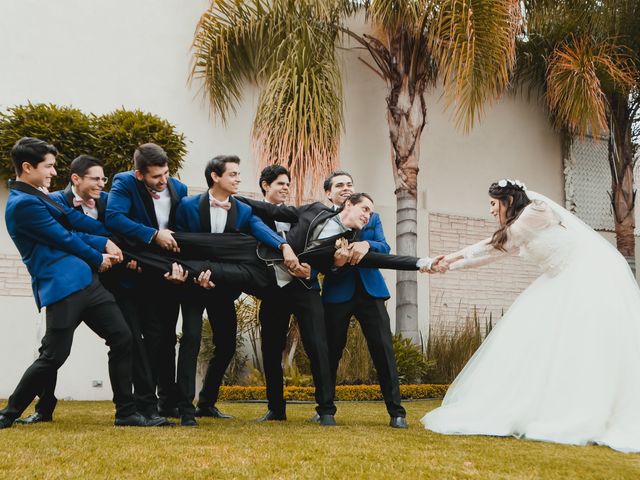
x=349, y=253
x=438, y=265
x=112, y=256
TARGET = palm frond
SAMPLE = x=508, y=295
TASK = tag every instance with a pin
x=575, y=90
x=474, y=44
x=232, y=43
x=300, y=110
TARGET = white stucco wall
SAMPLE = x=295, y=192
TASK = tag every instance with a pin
x=98, y=56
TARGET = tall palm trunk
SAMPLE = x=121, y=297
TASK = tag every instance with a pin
x=406, y=116
x=621, y=162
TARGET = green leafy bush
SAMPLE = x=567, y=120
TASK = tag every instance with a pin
x=343, y=392
x=411, y=361
x=69, y=129
x=119, y=133
x=112, y=137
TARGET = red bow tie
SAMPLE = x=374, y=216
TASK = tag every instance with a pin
x=91, y=203
x=218, y=204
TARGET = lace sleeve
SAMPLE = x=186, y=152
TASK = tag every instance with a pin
x=482, y=253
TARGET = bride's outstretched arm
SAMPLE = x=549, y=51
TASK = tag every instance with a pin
x=478, y=254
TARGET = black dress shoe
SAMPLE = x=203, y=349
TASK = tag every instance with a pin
x=5, y=421
x=158, y=420
x=138, y=420
x=188, y=421
x=315, y=418
x=169, y=412
x=211, y=412
x=35, y=417
x=398, y=422
x=271, y=415
x=327, y=421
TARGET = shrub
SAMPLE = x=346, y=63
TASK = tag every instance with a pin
x=343, y=392
x=449, y=349
x=356, y=366
x=121, y=131
x=67, y=128
x=412, y=364
x=112, y=137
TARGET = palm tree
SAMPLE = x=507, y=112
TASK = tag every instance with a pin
x=288, y=47
x=580, y=56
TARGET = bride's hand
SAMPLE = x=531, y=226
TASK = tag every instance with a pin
x=439, y=265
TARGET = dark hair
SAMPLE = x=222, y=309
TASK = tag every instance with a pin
x=31, y=150
x=514, y=198
x=356, y=198
x=218, y=165
x=271, y=173
x=329, y=181
x=82, y=163
x=149, y=155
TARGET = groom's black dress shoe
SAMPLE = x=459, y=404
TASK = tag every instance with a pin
x=271, y=415
x=35, y=417
x=138, y=420
x=211, y=412
x=169, y=412
x=158, y=420
x=327, y=421
x=398, y=422
x=188, y=421
x=5, y=421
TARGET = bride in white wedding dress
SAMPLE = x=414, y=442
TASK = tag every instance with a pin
x=563, y=364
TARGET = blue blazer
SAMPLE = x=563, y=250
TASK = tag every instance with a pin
x=193, y=215
x=339, y=287
x=61, y=261
x=130, y=210
x=65, y=198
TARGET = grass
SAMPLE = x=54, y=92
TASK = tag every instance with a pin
x=82, y=443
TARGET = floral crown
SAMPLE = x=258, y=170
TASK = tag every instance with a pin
x=514, y=183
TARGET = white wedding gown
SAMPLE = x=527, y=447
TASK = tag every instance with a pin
x=563, y=364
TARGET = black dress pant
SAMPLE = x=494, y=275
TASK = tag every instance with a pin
x=144, y=387
x=306, y=305
x=144, y=390
x=275, y=313
x=160, y=301
x=95, y=306
x=221, y=312
x=374, y=320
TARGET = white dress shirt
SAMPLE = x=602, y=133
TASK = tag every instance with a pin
x=283, y=277
x=162, y=206
x=218, y=217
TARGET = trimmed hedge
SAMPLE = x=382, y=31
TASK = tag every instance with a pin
x=112, y=137
x=343, y=392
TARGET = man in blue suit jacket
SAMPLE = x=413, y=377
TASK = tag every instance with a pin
x=361, y=292
x=63, y=262
x=84, y=194
x=142, y=206
x=214, y=211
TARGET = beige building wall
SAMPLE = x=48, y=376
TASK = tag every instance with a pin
x=99, y=56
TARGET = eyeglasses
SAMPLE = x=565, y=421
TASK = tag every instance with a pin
x=97, y=179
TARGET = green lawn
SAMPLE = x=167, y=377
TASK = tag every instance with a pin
x=82, y=443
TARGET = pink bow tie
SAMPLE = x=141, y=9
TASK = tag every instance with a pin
x=155, y=195
x=91, y=203
x=218, y=204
